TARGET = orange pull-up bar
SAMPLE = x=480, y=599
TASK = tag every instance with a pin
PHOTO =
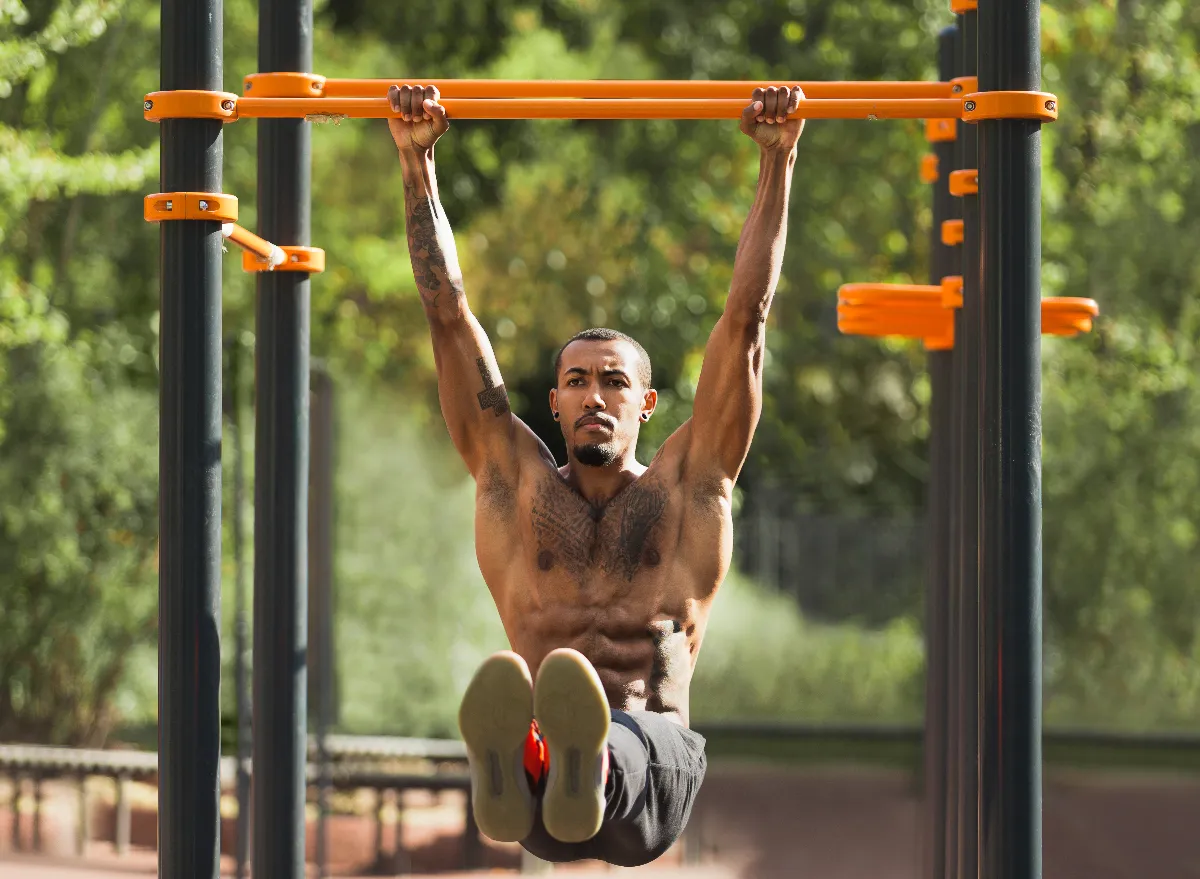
x=599, y=108
x=311, y=96
x=617, y=88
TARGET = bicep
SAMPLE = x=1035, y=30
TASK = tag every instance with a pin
x=471, y=391
x=728, y=396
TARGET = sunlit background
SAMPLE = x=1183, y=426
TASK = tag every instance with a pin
x=565, y=225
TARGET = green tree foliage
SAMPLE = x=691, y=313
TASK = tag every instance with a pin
x=77, y=524
x=78, y=478
x=1122, y=406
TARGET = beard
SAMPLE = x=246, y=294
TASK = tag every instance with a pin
x=595, y=454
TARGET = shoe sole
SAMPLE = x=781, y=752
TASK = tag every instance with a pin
x=573, y=715
x=494, y=719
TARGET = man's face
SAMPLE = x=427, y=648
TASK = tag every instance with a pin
x=600, y=401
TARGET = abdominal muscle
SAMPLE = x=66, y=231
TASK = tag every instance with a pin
x=630, y=587
x=641, y=643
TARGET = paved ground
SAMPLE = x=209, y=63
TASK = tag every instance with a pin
x=757, y=823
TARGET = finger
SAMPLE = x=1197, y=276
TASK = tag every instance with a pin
x=760, y=99
x=772, y=104
x=437, y=113
x=794, y=99
x=751, y=116
x=418, y=98
x=426, y=97
x=782, y=95
x=394, y=98
x=406, y=102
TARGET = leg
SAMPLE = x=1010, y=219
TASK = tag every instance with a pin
x=494, y=719
x=620, y=785
x=583, y=781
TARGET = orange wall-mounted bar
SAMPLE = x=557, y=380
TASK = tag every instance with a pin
x=600, y=108
x=631, y=88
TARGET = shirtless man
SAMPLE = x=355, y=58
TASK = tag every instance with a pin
x=603, y=570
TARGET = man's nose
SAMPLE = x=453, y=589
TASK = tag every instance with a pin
x=594, y=400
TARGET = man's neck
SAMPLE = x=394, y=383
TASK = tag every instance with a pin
x=599, y=485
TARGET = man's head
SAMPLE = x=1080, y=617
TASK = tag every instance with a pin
x=602, y=396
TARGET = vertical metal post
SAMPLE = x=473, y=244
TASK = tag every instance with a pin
x=189, y=568
x=320, y=593
x=968, y=609
x=241, y=658
x=1011, y=563
x=940, y=365
x=954, y=494
x=281, y=466
x=124, y=818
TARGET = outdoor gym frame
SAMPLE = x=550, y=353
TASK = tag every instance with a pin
x=981, y=318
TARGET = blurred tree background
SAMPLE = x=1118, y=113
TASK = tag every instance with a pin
x=562, y=225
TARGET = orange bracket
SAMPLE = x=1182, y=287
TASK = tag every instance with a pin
x=964, y=182
x=190, y=206
x=190, y=104
x=960, y=7
x=1041, y=106
x=952, y=291
x=295, y=259
x=941, y=130
x=1068, y=315
x=923, y=311
x=929, y=168
x=952, y=232
x=964, y=85
x=284, y=85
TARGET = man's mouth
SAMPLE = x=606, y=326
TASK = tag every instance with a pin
x=592, y=422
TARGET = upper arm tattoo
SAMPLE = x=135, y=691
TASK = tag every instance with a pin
x=493, y=396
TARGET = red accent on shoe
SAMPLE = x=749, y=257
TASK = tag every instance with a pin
x=537, y=756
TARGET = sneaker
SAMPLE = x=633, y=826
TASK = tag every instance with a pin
x=573, y=715
x=495, y=719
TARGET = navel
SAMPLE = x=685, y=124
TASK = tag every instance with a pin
x=545, y=560
x=651, y=557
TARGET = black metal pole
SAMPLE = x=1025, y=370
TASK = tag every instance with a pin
x=320, y=594
x=940, y=365
x=189, y=573
x=968, y=608
x=241, y=625
x=1011, y=562
x=954, y=494
x=281, y=465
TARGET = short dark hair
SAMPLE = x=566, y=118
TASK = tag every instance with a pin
x=603, y=334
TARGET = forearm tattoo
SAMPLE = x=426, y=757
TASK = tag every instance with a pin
x=431, y=269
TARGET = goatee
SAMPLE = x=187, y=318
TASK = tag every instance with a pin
x=595, y=454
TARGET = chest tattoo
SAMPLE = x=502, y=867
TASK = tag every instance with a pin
x=616, y=539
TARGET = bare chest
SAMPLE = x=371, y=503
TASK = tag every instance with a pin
x=631, y=537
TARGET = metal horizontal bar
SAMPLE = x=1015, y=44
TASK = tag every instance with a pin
x=600, y=108
x=631, y=88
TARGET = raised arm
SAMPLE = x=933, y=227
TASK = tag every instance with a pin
x=729, y=394
x=471, y=390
